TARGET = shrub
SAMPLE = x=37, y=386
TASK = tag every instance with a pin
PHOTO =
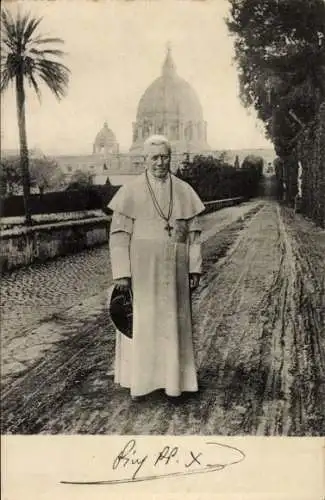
x=72, y=200
x=214, y=179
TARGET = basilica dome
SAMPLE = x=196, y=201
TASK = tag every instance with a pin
x=170, y=95
x=170, y=106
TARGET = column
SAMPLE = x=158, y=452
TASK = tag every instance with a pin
x=198, y=131
x=181, y=131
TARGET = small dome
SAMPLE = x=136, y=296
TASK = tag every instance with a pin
x=105, y=138
x=170, y=96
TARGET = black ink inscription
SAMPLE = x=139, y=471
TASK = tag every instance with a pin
x=127, y=458
x=189, y=462
x=195, y=459
x=166, y=455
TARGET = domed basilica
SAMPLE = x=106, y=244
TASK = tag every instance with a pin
x=171, y=107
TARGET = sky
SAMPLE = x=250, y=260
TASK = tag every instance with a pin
x=115, y=49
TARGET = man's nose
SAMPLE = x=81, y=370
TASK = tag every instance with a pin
x=160, y=160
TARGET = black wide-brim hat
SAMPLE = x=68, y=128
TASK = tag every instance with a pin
x=120, y=308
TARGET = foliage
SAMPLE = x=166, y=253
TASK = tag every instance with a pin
x=27, y=53
x=44, y=174
x=93, y=198
x=80, y=179
x=213, y=179
x=280, y=54
x=311, y=153
x=10, y=176
x=253, y=161
x=28, y=57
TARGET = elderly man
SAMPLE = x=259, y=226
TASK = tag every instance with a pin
x=155, y=250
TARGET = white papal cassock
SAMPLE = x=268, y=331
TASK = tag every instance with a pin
x=160, y=355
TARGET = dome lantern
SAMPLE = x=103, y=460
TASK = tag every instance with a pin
x=169, y=68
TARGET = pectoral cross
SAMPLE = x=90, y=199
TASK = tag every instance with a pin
x=168, y=228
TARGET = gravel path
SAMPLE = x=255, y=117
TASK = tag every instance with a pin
x=259, y=343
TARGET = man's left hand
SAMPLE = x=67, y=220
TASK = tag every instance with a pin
x=194, y=280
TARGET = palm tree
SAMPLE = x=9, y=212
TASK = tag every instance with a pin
x=28, y=57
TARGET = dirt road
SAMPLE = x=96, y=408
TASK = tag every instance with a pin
x=259, y=343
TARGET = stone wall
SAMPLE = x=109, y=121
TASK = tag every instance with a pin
x=25, y=245
x=22, y=246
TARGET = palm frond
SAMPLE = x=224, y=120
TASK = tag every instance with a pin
x=8, y=43
x=29, y=73
x=30, y=28
x=8, y=26
x=48, y=65
x=30, y=55
x=55, y=75
x=8, y=70
x=21, y=23
x=5, y=79
x=39, y=40
x=32, y=82
x=52, y=52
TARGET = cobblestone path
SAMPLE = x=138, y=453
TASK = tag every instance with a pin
x=34, y=294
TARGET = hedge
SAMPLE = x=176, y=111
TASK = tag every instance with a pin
x=89, y=198
x=213, y=181
x=210, y=182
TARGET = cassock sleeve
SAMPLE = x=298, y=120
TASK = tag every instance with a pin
x=195, y=255
x=119, y=243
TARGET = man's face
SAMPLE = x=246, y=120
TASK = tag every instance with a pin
x=158, y=160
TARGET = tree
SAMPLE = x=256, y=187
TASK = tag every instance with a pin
x=280, y=54
x=44, y=173
x=254, y=162
x=223, y=157
x=10, y=176
x=80, y=180
x=27, y=57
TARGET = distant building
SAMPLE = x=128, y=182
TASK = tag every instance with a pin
x=105, y=142
x=96, y=164
x=171, y=107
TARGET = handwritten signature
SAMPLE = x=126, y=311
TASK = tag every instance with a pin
x=169, y=461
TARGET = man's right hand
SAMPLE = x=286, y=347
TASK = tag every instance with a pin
x=123, y=284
